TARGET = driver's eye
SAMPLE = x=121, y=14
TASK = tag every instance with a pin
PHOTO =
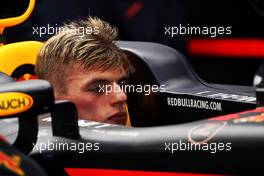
x=99, y=89
x=123, y=82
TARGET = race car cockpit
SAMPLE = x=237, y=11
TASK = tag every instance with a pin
x=183, y=93
x=169, y=85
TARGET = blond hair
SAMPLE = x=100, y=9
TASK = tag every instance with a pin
x=90, y=42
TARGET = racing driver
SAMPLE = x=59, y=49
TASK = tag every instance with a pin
x=80, y=61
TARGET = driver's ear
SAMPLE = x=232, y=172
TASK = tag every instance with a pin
x=59, y=95
x=56, y=95
x=60, y=92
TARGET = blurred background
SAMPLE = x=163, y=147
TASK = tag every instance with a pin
x=230, y=59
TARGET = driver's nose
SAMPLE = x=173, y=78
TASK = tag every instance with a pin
x=118, y=96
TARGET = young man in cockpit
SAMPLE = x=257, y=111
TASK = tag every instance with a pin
x=80, y=61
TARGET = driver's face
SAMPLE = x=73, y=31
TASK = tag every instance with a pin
x=84, y=88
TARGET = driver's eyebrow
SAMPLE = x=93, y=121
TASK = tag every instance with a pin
x=96, y=81
x=103, y=81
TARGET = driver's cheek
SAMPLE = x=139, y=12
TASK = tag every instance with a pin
x=92, y=108
x=85, y=107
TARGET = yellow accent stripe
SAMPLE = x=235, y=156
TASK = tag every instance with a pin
x=8, y=22
x=128, y=122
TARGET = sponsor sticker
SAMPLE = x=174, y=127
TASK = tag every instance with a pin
x=12, y=103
